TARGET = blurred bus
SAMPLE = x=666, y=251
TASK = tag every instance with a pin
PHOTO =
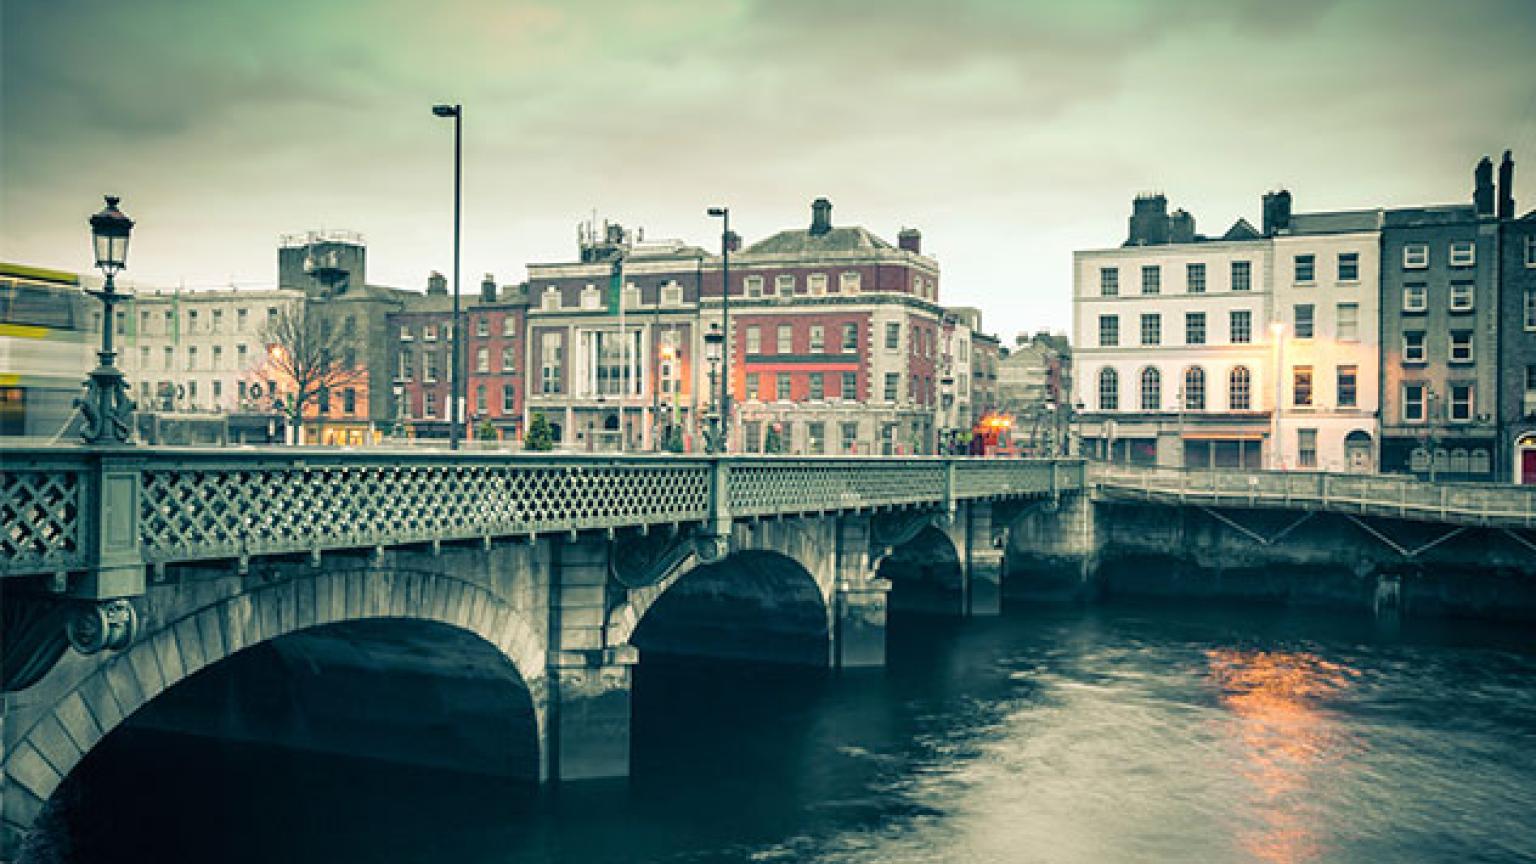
x=44, y=354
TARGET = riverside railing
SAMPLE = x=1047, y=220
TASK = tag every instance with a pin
x=1401, y=497
x=67, y=509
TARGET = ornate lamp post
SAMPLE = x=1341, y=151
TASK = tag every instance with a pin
x=107, y=410
x=713, y=343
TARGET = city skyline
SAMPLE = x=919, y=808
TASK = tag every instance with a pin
x=1010, y=134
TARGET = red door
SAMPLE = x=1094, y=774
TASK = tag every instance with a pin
x=1528, y=467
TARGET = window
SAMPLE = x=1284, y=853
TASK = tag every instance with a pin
x=217, y=323
x=1530, y=308
x=1413, y=403
x=508, y=358
x=1194, y=389
x=753, y=286
x=1463, y=253
x=169, y=358
x=191, y=357
x=781, y=383
x=848, y=283
x=349, y=400
x=850, y=438
x=1109, y=331
x=482, y=360
x=1306, y=448
x=240, y=352
x=192, y=396
x=1194, y=328
x=405, y=371
x=754, y=383
x=1194, y=278
x=892, y=336
x=1461, y=346
x=1415, y=256
x=429, y=404
x=1240, y=327
x=754, y=339
x=1304, y=322
x=892, y=385
x=1109, y=389
x=551, y=357
x=242, y=319
x=1152, y=329
x=1461, y=403
x=1242, y=276
x=1347, y=321
x=509, y=325
x=271, y=316
x=818, y=386
x=1240, y=389
x=1306, y=268
x=552, y=298
x=192, y=321
x=405, y=332
x=1301, y=386
x=218, y=357
x=508, y=399
x=1348, y=386
x=1349, y=266
x=429, y=366
x=324, y=396
x=1415, y=297
x=429, y=332
x=817, y=283
x=1530, y=251
x=218, y=392
x=850, y=338
x=818, y=339
x=144, y=322
x=143, y=357
x=1151, y=279
x=785, y=285
x=482, y=326
x=1413, y=346
x=1151, y=389
x=1109, y=282
x=786, y=338
x=816, y=437
x=1461, y=296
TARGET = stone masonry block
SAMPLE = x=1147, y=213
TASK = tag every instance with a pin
x=124, y=684
x=169, y=656
x=98, y=697
x=210, y=629
x=31, y=771
x=76, y=718
x=304, y=603
x=146, y=670
x=55, y=745
x=190, y=644
x=581, y=595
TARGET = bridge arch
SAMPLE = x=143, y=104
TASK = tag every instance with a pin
x=122, y=685
x=926, y=570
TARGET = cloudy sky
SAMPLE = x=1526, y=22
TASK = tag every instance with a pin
x=1010, y=132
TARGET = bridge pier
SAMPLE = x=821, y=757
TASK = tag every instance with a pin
x=589, y=713
x=858, y=634
x=981, y=562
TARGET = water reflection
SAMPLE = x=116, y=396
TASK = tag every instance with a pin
x=1279, y=719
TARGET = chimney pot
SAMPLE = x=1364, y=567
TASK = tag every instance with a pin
x=821, y=217
x=911, y=240
x=1482, y=187
x=1507, y=186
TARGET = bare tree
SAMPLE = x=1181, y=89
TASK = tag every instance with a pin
x=308, y=355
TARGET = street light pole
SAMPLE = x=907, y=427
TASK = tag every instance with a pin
x=724, y=214
x=455, y=343
x=105, y=407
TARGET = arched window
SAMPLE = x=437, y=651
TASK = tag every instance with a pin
x=1109, y=389
x=1194, y=389
x=1151, y=389
x=1240, y=389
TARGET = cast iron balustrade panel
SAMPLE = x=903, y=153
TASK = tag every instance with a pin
x=40, y=515
x=219, y=508
x=774, y=486
x=995, y=477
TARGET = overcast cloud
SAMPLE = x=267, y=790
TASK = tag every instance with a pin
x=1011, y=133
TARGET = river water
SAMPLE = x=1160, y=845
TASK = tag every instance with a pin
x=1104, y=734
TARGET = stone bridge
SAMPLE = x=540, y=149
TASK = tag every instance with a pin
x=480, y=611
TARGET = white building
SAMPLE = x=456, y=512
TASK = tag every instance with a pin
x=190, y=351
x=1186, y=345
x=1326, y=292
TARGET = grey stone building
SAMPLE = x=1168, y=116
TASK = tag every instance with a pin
x=1517, y=334
x=1440, y=322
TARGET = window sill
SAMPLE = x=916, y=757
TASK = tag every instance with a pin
x=1310, y=283
x=1419, y=311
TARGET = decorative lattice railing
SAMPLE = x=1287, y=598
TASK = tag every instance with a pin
x=189, y=505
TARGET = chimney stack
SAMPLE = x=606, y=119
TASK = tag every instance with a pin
x=1149, y=220
x=911, y=240
x=488, y=289
x=821, y=217
x=1482, y=187
x=1277, y=212
x=1507, y=186
x=733, y=241
x=437, y=284
x=1181, y=227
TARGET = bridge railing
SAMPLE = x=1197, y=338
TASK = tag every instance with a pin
x=62, y=506
x=1375, y=494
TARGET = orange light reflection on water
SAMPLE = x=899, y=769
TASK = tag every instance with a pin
x=1278, y=717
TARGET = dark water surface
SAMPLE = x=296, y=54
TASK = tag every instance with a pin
x=1060, y=734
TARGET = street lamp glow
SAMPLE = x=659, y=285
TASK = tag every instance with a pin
x=109, y=235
